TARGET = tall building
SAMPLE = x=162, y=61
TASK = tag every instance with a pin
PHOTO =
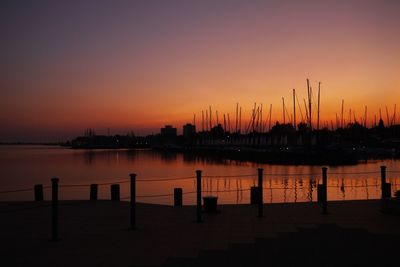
x=168, y=131
x=189, y=130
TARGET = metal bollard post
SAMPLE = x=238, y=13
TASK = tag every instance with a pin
x=93, y=191
x=133, y=201
x=387, y=190
x=320, y=193
x=254, y=196
x=54, y=209
x=198, y=183
x=383, y=181
x=115, y=192
x=260, y=193
x=325, y=190
x=178, y=197
x=38, y=188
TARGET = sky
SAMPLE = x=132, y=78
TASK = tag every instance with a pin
x=137, y=65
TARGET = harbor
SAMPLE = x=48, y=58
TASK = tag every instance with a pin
x=199, y=133
x=206, y=234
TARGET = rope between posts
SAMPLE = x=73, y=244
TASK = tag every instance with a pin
x=117, y=182
x=166, y=179
x=161, y=195
x=227, y=176
x=216, y=191
x=211, y=176
x=149, y=196
x=74, y=185
x=207, y=176
x=291, y=174
x=190, y=192
x=21, y=190
x=101, y=184
x=343, y=173
x=225, y=191
x=16, y=191
x=186, y=193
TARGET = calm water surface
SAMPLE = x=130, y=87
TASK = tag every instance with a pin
x=24, y=166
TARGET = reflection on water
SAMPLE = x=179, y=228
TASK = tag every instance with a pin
x=91, y=156
x=25, y=166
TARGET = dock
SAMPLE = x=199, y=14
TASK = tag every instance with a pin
x=97, y=233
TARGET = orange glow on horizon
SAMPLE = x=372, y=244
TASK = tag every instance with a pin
x=148, y=65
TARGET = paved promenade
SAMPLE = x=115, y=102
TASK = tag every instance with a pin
x=97, y=234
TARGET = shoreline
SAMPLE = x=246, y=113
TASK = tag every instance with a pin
x=279, y=156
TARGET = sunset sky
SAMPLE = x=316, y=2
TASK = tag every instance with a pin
x=138, y=65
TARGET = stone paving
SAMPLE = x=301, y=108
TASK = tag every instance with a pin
x=96, y=233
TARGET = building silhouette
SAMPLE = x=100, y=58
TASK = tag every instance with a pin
x=168, y=131
x=189, y=130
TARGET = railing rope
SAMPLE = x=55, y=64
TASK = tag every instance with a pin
x=115, y=185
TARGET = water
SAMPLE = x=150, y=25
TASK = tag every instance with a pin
x=24, y=166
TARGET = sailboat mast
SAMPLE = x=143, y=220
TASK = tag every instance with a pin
x=260, y=121
x=294, y=109
x=237, y=109
x=207, y=124
x=309, y=103
x=270, y=117
x=229, y=124
x=283, y=110
x=240, y=119
x=387, y=116
x=224, y=123
x=341, y=123
x=202, y=120
x=306, y=109
x=210, y=119
x=319, y=99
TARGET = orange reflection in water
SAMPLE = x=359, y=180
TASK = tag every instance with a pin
x=25, y=166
